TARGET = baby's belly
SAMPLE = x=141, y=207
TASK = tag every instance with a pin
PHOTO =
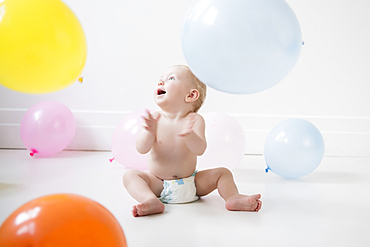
x=169, y=169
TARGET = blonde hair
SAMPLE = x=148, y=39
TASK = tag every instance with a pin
x=201, y=87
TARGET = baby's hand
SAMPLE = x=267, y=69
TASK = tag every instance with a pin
x=150, y=123
x=188, y=125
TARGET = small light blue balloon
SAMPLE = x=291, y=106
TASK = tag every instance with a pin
x=241, y=46
x=294, y=148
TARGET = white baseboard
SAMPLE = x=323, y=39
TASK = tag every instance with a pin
x=344, y=136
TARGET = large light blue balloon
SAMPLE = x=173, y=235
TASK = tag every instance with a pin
x=294, y=148
x=241, y=46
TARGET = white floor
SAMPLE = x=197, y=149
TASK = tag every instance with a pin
x=330, y=207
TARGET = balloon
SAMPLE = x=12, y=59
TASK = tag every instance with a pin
x=241, y=46
x=226, y=142
x=42, y=45
x=124, y=139
x=294, y=148
x=47, y=128
x=62, y=220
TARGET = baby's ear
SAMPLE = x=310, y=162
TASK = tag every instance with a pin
x=192, y=96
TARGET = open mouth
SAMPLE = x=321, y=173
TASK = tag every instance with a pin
x=160, y=92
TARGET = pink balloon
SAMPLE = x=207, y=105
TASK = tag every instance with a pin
x=226, y=142
x=47, y=128
x=124, y=139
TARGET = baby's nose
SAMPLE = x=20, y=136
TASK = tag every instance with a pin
x=160, y=83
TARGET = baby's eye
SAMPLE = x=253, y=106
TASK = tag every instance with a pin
x=171, y=78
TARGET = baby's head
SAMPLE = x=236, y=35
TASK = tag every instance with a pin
x=198, y=85
x=178, y=85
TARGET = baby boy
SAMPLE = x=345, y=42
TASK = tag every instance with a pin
x=174, y=137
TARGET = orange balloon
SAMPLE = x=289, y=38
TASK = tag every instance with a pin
x=62, y=220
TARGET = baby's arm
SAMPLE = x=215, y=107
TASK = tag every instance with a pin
x=147, y=137
x=194, y=133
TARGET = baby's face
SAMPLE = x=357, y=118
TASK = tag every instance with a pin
x=173, y=86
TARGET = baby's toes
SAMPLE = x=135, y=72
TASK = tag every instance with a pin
x=259, y=206
x=134, y=211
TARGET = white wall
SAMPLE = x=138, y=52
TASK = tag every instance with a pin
x=130, y=43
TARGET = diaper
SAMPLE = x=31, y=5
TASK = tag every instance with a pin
x=179, y=190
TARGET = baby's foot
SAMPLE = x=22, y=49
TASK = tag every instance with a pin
x=240, y=202
x=148, y=207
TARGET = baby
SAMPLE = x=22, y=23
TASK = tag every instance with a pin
x=174, y=137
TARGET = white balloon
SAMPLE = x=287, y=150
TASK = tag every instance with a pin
x=241, y=46
x=294, y=148
x=226, y=142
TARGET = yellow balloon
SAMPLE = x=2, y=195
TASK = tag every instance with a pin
x=42, y=45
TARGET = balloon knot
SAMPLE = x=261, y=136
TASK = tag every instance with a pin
x=33, y=152
x=267, y=170
x=80, y=79
x=111, y=160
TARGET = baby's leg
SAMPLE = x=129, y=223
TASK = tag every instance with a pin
x=222, y=179
x=145, y=188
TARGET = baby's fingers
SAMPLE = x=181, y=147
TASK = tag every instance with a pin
x=148, y=115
